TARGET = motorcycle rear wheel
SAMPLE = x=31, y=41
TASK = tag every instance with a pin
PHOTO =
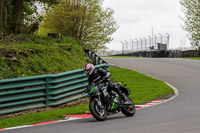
x=129, y=111
x=97, y=113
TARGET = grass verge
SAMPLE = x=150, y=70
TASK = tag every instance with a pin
x=123, y=56
x=194, y=58
x=143, y=89
x=42, y=116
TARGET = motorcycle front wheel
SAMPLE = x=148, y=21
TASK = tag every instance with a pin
x=129, y=110
x=97, y=112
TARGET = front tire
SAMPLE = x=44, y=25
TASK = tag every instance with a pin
x=129, y=111
x=97, y=113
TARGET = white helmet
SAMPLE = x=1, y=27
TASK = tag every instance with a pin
x=89, y=68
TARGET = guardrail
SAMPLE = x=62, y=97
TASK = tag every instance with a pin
x=42, y=91
x=95, y=58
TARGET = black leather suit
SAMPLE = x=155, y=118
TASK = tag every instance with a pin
x=99, y=74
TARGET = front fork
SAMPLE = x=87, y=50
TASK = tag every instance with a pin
x=98, y=101
x=99, y=107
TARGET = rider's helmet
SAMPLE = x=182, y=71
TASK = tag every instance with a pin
x=89, y=68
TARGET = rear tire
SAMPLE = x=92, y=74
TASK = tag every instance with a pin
x=129, y=111
x=94, y=109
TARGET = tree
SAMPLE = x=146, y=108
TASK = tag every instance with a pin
x=15, y=14
x=3, y=16
x=191, y=9
x=84, y=20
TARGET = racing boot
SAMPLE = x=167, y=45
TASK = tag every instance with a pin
x=124, y=97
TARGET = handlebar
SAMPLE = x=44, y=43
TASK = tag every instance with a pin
x=96, y=79
x=86, y=90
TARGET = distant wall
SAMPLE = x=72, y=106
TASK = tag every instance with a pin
x=163, y=53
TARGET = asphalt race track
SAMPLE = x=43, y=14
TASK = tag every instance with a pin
x=180, y=115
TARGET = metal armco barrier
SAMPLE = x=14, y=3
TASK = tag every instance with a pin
x=43, y=91
x=95, y=58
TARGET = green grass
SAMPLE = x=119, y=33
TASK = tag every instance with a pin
x=36, y=55
x=42, y=116
x=143, y=88
x=194, y=58
x=123, y=56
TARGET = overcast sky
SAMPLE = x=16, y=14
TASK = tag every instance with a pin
x=136, y=18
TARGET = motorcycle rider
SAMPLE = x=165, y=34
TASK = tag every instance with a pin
x=95, y=75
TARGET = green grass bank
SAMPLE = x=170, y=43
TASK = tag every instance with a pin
x=36, y=55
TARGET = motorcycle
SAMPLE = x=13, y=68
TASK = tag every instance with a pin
x=105, y=101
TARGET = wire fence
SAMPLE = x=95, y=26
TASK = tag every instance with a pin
x=160, y=42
